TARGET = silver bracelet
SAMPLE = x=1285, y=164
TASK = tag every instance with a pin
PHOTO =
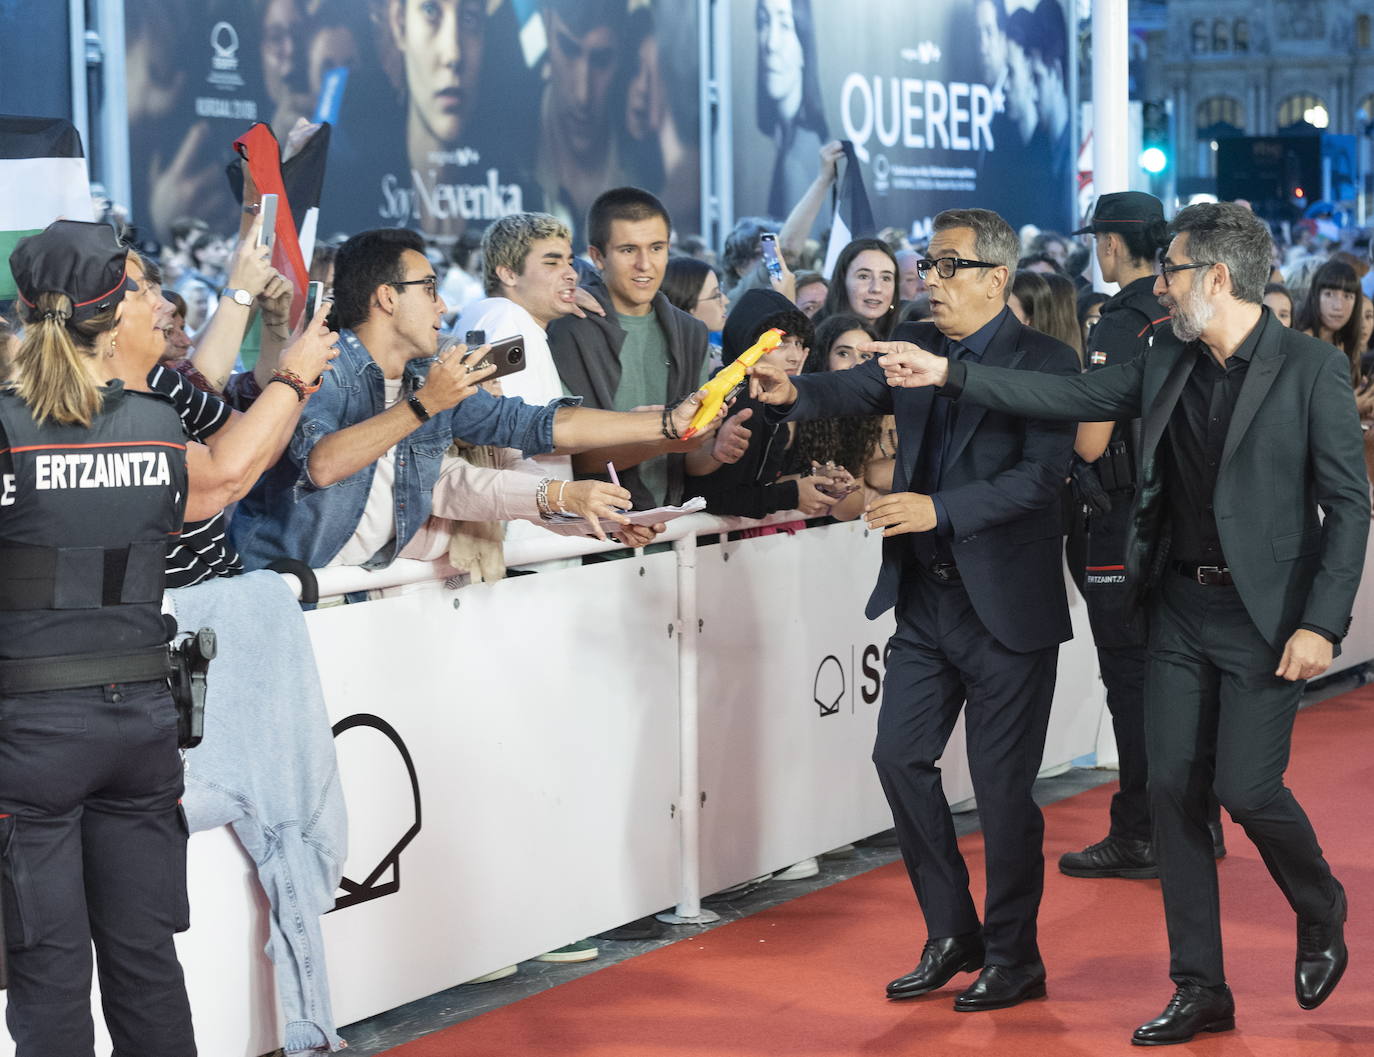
x=541, y=498
x=562, y=487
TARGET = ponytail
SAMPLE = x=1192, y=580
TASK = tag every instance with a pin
x=51, y=371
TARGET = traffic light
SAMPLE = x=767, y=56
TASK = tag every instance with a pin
x=1154, y=138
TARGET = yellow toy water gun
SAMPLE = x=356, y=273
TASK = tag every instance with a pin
x=730, y=380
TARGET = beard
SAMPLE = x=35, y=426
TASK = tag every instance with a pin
x=1191, y=315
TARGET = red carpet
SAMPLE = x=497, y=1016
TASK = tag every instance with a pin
x=807, y=978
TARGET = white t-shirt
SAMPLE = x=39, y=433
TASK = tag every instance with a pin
x=537, y=384
x=377, y=527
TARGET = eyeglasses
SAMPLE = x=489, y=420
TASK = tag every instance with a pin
x=719, y=295
x=428, y=282
x=945, y=267
x=1166, y=269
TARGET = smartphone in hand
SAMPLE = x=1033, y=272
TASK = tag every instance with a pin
x=768, y=242
x=267, y=234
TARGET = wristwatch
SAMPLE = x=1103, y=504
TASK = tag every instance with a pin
x=238, y=296
x=417, y=407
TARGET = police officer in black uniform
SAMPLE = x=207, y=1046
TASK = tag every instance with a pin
x=1128, y=230
x=92, y=838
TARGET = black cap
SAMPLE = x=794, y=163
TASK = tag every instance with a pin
x=85, y=261
x=1123, y=211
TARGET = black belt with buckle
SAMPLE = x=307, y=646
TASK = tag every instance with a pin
x=945, y=572
x=1207, y=575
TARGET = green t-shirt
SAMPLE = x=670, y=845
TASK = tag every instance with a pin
x=644, y=380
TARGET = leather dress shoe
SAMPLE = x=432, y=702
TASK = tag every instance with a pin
x=940, y=960
x=1322, y=955
x=1111, y=857
x=1193, y=1008
x=1218, y=840
x=1000, y=986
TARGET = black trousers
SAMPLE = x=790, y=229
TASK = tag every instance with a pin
x=93, y=845
x=1123, y=673
x=942, y=659
x=1218, y=718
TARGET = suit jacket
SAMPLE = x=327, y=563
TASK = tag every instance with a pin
x=1294, y=447
x=1000, y=486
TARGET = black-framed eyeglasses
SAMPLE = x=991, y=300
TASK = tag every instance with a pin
x=945, y=267
x=719, y=295
x=430, y=284
x=1166, y=269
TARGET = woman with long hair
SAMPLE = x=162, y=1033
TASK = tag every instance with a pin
x=850, y=444
x=789, y=106
x=864, y=282
x=1331, y=311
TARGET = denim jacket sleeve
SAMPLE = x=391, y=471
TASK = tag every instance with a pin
x=506, y=422
x=323, y=415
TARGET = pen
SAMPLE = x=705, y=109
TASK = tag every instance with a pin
x=615, y=478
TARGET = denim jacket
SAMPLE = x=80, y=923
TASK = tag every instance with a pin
x=287, y=515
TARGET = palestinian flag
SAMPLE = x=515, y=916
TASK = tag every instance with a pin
x=853, y=214
x=43, y=173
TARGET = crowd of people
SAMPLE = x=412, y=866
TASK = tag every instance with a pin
x=375, y=430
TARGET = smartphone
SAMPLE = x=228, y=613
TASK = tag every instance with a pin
x=268, y=233
x=473, y=338
x=508, y=354
x=769, y=243
x=314, y=297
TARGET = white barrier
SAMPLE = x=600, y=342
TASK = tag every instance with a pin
x=541, y=716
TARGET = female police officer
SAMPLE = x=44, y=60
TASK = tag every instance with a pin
x=92, y=841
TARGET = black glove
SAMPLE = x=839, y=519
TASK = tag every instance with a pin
x=1087, y=488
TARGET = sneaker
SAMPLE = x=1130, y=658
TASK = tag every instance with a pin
x=495, y=974
x=799, y=871
x=1111, y=857
x=581, y=951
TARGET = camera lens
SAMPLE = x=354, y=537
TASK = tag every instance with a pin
x=517, y=354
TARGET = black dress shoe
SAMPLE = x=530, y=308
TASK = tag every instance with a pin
x=940, y=960
x=1218, y=840
x=1193, y=1008
x=1322, y=956
x=1111, y=857
x=1000, y=986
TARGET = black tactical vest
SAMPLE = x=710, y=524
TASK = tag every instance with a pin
x=87, y=516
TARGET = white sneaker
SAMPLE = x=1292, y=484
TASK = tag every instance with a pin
x=495, y=974
x=799, y=871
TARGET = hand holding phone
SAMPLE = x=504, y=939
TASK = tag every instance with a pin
x=768, y=242
x=267, y=234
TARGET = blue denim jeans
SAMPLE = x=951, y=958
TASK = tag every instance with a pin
x=267, y=768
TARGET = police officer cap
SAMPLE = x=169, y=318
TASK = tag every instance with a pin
x=85, y=261
x=1123, y=211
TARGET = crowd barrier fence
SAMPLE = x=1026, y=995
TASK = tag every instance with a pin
x=533, y=761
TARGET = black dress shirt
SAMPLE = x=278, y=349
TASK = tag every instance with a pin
x=1197, y=437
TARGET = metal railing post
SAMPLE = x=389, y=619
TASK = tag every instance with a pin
x=689, y=909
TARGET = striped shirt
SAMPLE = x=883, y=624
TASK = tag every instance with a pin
x=204, y=550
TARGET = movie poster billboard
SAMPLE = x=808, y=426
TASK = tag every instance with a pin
x=952, y=103
x=446, y=113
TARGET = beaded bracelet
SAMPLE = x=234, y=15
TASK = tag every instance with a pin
x=290, y=380
x=283, y=373
x=669, y=427
x=562, y=487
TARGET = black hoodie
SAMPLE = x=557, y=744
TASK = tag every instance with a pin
x=750, y=487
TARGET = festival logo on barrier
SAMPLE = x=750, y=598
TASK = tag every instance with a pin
x=835, y=680
x=954, y=104
x=376, y=839
x=446, y=115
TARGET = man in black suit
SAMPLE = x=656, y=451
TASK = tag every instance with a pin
x=972, y=561
x=1249, y=429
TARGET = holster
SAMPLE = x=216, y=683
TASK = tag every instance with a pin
x=191, y=659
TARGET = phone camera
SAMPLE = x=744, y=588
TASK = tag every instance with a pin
x=517, y=354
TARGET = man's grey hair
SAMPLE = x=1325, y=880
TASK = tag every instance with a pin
x=506, y=243
x=1225, y=233
x=994, y=240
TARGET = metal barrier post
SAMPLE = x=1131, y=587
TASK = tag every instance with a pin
x=689, y=910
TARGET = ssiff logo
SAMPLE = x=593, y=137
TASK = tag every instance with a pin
x=835, y=681
x=224, y=62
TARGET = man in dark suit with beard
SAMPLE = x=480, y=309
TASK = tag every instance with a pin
x=1249, y=430
x=972, y=561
